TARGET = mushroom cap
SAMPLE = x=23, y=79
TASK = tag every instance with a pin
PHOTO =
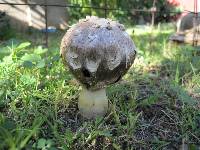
x=97, y=51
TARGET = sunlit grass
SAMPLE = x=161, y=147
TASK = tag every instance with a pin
x=156, y=105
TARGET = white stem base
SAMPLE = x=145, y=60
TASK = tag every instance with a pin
x=93, y=103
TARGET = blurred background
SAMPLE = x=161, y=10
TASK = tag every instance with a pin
x=45, y=16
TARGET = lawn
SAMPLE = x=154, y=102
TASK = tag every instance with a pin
x=155, y=106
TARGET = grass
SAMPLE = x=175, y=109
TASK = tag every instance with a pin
x=155, y=106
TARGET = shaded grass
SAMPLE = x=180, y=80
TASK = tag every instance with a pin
x=155, y=106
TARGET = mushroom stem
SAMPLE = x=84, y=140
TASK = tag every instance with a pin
x=93, y=103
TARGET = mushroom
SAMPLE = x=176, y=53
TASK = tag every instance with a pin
x=98, y=52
